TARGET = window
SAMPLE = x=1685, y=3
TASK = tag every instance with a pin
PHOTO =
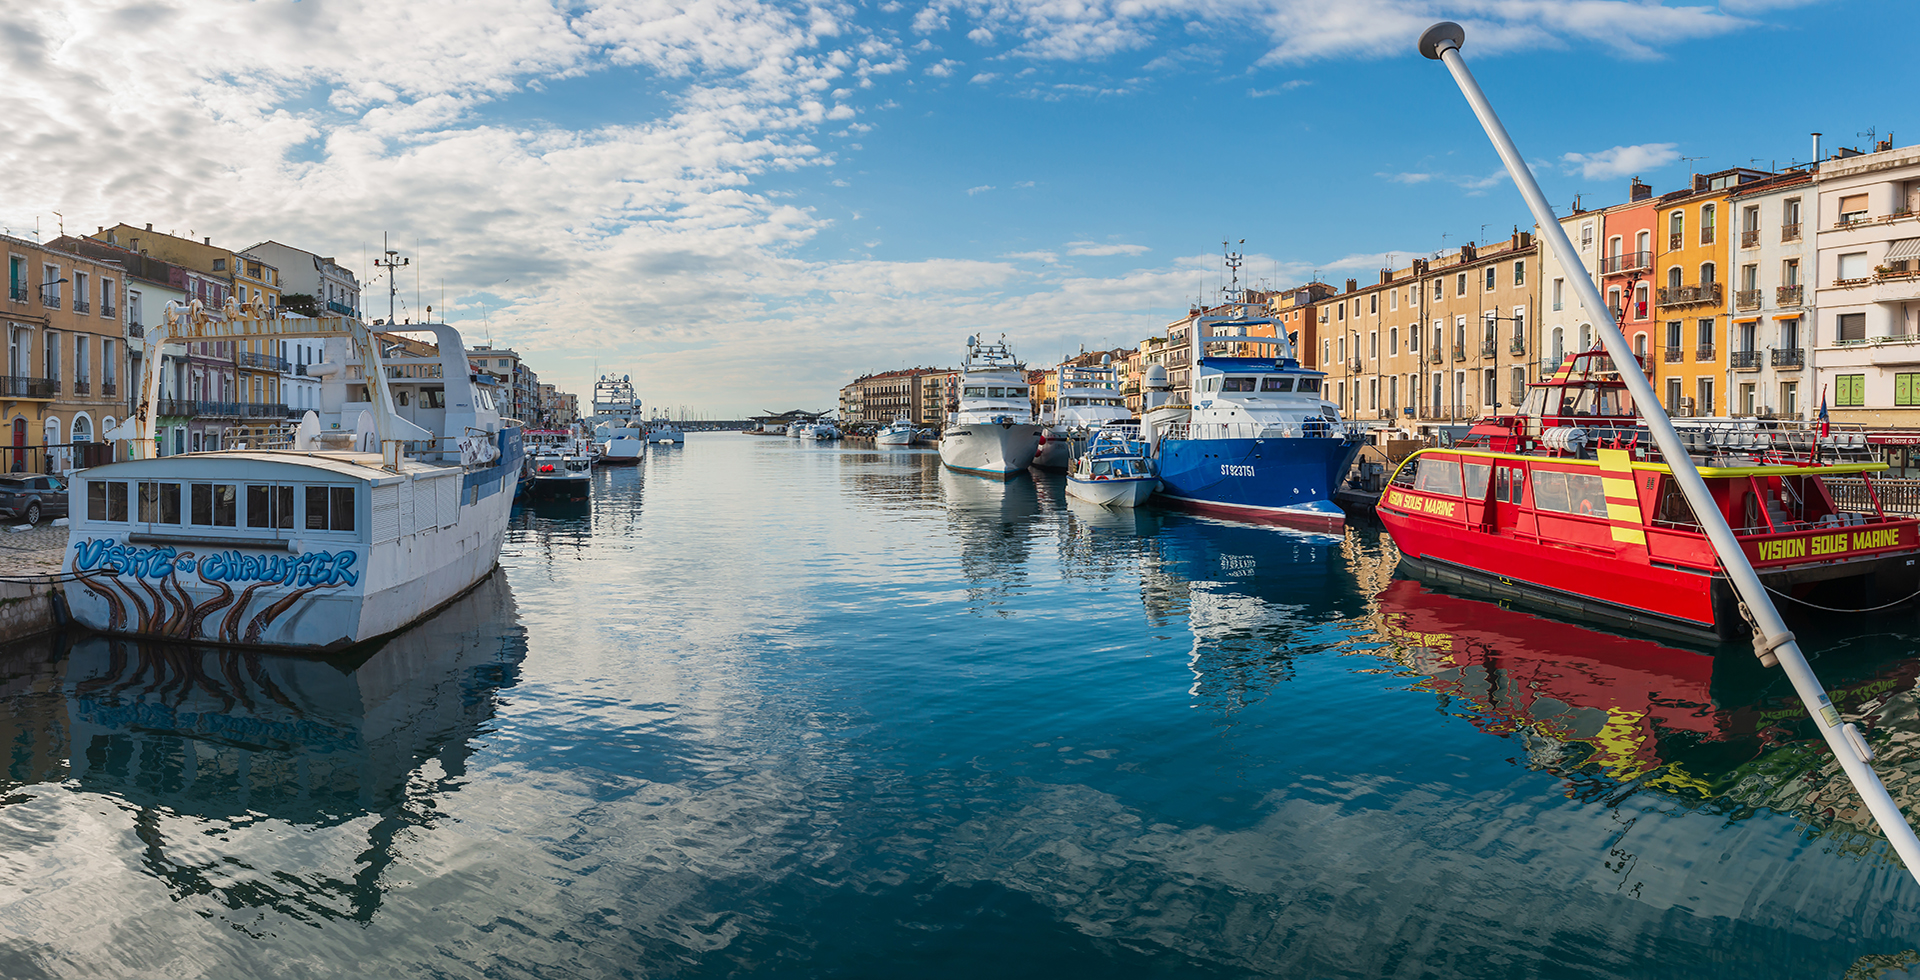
x=1790, y=398
x=1749, y=277
x=1276, y=384
x=1851, y=326
x=1708, y=223
x=219, y=265
x=1373, y=343
x=1586, y=235
x=216, y=504
x=1853, y=208
x=160, y=503
x=1853, y=265
x=80, y=359
x=1393, y=340
x=1373, y=303
x=81, y=298
x=1906, y=390
x=1439, y=288
x=1790, y=272
x=1674, y=278
x=329, y=508
x=1850, y=390
x=1491, y=276
x=1643, y=246
x=1393, y=392
x=1460, y=285
x=1706, y=334
x=1703, y=396
x=53, y=355
x=1790, y=219
x=1340, y=310
x=1559, y=287
x=106, y=501
x=1393, y=299
x=1707, y=273
x=1436, y=475
x=107, y=293
x=1673, y=395
x=1373, y=394
x=1326, y=351
x=1231, y=384
x=1489, y=395
x=1520, y=272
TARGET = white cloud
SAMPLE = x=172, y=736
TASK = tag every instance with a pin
x=943, y=68
x=983, y=78
x=1407, y=178
x=1095, y=248
x=1050, y=258
x=1622, y=161
x=980, y=35
x=982, y=189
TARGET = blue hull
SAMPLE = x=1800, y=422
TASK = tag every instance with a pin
x=1287, y=481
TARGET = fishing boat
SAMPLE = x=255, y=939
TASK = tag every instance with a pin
x=1257, y=441
x=1115, y=470
x=559, y=467
x=1568, y=505
x=1087, y=397
x=365, y=517
x=900, y=433
x=993, y=431
x=617, y=435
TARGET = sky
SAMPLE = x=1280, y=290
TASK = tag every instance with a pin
x=745, y=204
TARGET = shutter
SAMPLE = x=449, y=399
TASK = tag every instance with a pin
x=449, y=488
x=386, y=513
x=426, y=505
x=1852, y=203
x=1853, y=265
x=406, y=508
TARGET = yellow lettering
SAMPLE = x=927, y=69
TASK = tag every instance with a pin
x=1885, y=537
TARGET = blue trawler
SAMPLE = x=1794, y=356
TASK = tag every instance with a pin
x=1258, y=441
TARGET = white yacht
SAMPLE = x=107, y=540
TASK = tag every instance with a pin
x=616, y=435
x=374, y=511
x=1087, y=397
x=823, y=431
x=662, y=430
x=993, y=432
x=900, y=433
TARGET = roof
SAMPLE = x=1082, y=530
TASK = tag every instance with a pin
x=353, y=466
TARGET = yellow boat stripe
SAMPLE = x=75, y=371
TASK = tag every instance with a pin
x=1616, y=461
x=1623, y=512
x=1630, y=535
x=1621, y=487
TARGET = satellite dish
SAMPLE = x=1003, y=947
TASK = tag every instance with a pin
x=971, y=341
x=1106, y=359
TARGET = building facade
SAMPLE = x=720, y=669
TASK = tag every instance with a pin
x=1866, y=334
x=66, y=356
x=1771, y=301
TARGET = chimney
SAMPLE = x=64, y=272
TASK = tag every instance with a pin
x=1639, y=190
x=1352, y=284
x=1386, y=276
x=1699, y=183
x=149, y=226
x=1816, y=149
x=1882, y=146
x=207, y=240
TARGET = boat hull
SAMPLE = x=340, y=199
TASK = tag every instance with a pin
x=1126, y=492
x=546, y=489
x=891, y=438
x=1280, y=481
x=990, y=448
x=1056, y=453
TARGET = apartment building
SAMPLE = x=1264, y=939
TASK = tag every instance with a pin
x=66, y=356
x=1770, y=303
x=319, y=283
x=1690, y=298
x=150, y=285
x=1296, y=313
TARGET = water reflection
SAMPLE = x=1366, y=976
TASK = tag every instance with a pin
x=897, y=478
x=198, y=741
x=992, y=522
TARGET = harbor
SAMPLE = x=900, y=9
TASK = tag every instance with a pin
x=988, y=724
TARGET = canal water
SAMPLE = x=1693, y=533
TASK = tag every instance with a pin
x=784, y=710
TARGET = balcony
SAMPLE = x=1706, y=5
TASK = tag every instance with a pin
x=1676, y=355
x=1705, y=292
x=11, y=387
x=1744, y=360
x=1703, y=353
x=50, y=300
x=1746, y=299
x=1789, y=295
x=335, y=306
x=1707, y=235
x=82, y=386
x=109, y=389
x=264, y=410
x=1790, y=232
x=1517, y=345
x=1459, y=352
x=1676, y=242
x=1626, y=262
x=17, y=292
x=106, y=310
x=266, y=362
x=1488, y=348
x=1750, y=238
x=82, y=306
x=1435, y=357
x=1792, y=358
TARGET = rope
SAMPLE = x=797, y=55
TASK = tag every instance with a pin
x=1810, y=605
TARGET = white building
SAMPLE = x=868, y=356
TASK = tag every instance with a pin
x=1866, y=339
x=1565, y=324
x=1770, y=308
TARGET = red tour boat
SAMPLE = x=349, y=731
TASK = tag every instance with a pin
x=1568, y=506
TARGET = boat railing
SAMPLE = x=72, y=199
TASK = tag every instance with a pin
x=271, y=435
x=1897, y=495
x=1313, y=427
x=1789, y=441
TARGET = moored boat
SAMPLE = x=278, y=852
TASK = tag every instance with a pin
x=900, y=433
x=617, y=436
x=1115, y=470
x=1568, y=505
x=992, y=432
x=1086, y=398
x=352, y=525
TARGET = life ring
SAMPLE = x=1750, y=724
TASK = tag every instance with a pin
x=1586, y=507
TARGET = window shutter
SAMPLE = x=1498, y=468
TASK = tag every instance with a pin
x=1852, y=203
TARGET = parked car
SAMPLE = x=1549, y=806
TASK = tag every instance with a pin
x=32, y=499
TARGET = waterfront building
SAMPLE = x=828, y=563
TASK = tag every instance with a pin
x=1296, y=312
x=918, y=393
x=1564, y=320
x=938, y=390
x=1866, y=337
x=148, y=285
x=315, y=284
x=1691, y=255
x=1625, y=274
x=66, y=351
x=1771, y=302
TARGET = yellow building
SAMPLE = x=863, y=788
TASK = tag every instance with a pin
x=1690, y=301
x=66, y=358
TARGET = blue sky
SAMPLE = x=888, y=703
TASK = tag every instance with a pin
x=744, y=203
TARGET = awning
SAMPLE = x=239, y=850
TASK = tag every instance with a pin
x=1788, y=316
x=1905, y=248
x=1746, y=319
x=1907, y=437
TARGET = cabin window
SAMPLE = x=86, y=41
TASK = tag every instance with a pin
x=329, y=508
x=1570, y=493
x=1238, y=384
x=976, y=393
x=1478, y=474
x=270, y=507
x=216, y=504
x=160, y=503
x=1309, y=384
x=1438, y=475
x=1502, y=484
x=1276, y=384
x=106, y=501
x=1077, y=402
x=433, y=398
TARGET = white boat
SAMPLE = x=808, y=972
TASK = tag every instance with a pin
x=1115, y=470
x=617, y=437
x=796, y=430
x=993, y=433
x=900, y=433
x=823, y=431
x=663, y=430
x=1086, y=398
x=559, y=466
x=355, y=524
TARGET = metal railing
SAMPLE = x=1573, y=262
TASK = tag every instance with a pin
x=49, y=299
x=106, y=308
x=1314, y=427
x=267, y=361
x=1704, y=292
x=109, y=389
x=1676, y=241
x=1790, y=232
x=341, y=308
x=1708, y=234
x=1626, y=262
x=57, y=458
x=82, y=306
x=1898, y=495
x=1750, y=238
x=82, y=386
x=13, y=387
x=1489, y=348
x=1448, y=413
x=1676, y=354
x=1788, y=295
x=1517, y=345
x=1746, y=299
x=1790, y=357
x=1704, y=352
x=1744, y=360
x=17, y=292
x=136, y=330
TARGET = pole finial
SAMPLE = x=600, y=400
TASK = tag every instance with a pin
x=1440, y=37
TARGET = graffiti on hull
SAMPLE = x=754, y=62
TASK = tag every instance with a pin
x=163, y=605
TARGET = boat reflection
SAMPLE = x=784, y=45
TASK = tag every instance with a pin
x=1601, y=709
x=993, y=519
x=895, y=478
x=190, y=737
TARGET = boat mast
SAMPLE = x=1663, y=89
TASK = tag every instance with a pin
x=1772, y=642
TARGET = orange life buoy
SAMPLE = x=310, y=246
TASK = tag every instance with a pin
x=1586, y=507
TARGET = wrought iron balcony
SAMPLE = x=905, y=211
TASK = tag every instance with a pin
x=264, y=361
x=109, y=389
x=1744, y=360
x=13, y=387
x=106, y=309
x=17, y=292
x=1750, y=238
x=1790, y=232
x=50, y=300
x=1676, y=242
x=1626, y=262
x=1489, y=348
x=1703, y=353
x=1707, y=234
x=1459, y=352
x=82, y=306
x=1517, y=345
x=1788, y=295
x=1790, y=357
x=1746, y=299
x=82, y=386
x=1705, y=292
x=1675, y=354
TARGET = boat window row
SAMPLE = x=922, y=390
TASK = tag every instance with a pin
x=982, y=391
x=1263, y=384
x=1553, y=490
x=259, y=505
x=1080, y=402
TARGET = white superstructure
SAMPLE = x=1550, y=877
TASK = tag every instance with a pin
x=1087, y=398
x=994, y=432
x=617, y=432
x=382, y=505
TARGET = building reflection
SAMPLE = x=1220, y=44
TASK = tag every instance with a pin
x=188, y=737
x=892, y=478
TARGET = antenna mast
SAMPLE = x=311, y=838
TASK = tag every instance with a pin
x=390, y=263
x=1234, y=261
